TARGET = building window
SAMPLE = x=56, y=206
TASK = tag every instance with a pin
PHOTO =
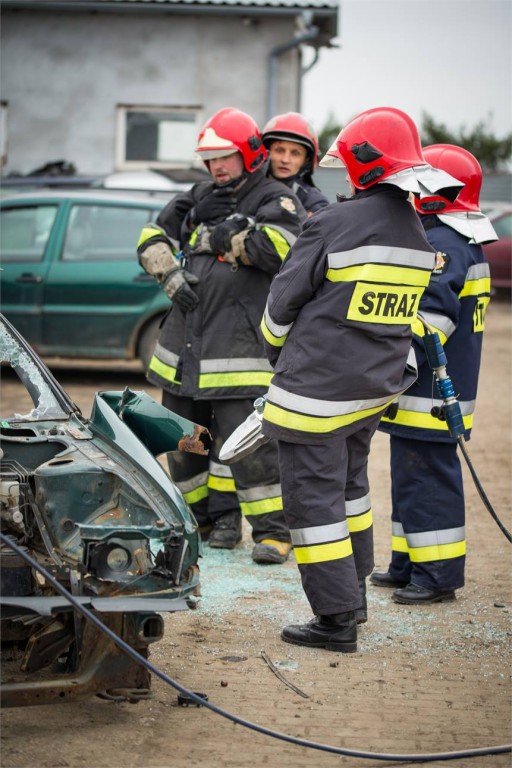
x=156, y=137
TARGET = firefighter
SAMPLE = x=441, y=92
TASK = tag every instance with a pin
x=214, y=249
x=293, y=152
x=428, y=514
x=337, y=327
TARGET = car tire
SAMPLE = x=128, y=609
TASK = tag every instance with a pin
x=147, y=341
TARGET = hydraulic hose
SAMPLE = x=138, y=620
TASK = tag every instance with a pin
x=451, y=411
x=90, y=616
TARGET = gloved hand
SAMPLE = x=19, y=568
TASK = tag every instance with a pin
x=220, y=238
x=177, y=287
x=217, y=204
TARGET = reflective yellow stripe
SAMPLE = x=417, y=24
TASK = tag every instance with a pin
x=165, y=371
x=399, y=544
x=419, y=330
x=193, y=237
x=360, y=522
x=320, y=553
x=196, y=495
x=321, y=425
x=276, y=341
x=235, y=379
x=221, y=484
x=476, y=287
x=419, y=420
x=278, y=241
x=380, y=273
x=148, y=232
x=479, y=313
x=384, y=304
x=437, y=552
x=262, y=507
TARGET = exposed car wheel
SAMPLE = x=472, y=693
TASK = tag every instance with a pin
x=147, y=341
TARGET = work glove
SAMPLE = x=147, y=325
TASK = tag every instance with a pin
x=177, y=287
x=217, y=204
x=227, y=239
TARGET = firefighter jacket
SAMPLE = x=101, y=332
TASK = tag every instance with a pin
x=310, y=196
x=454, y=304
x=216, y=350
x=337, y=324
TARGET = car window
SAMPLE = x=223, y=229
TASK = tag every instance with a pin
x=103, y=233
x=503, y=226
x=24, y=232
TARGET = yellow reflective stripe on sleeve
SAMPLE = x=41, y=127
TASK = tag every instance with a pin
x=380, y=273
x=193, y=237
x=479, y=313
x=148, y=232
x=419, y=330
x=278, y=241
x=360, y=522
x=476, y=287
x=197, y=494
x=321, y=553
x=437, y=552
x=225, y=484
x=420, y=420
x=399, y=544
x=384, y=304
x=235, y=379
x=167, y=372
x=275, y=341
x=262, y=506
x=321, y=425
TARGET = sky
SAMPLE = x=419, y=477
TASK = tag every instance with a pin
x=449, y=58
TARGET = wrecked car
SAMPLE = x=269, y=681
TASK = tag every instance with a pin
x=87, y=500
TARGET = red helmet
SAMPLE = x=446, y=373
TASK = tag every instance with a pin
x=464, y=166
x=376, y=144
x=292, y=126
x=231, y=130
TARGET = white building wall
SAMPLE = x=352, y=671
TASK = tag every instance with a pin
x=62, y=75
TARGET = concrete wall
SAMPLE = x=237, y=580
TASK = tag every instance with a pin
x=63, y=74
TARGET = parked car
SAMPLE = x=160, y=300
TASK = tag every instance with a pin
x=499, y=253
x=86, y=500
x=71, y=282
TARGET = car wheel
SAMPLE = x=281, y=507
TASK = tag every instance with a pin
x=147, y=341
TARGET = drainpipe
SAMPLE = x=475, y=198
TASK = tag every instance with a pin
x=310, y=34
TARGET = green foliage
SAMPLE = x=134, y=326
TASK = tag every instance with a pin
x=492, y=153
x=328, y=134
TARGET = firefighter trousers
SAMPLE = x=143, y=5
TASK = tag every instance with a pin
x=212, y=489
x=428, y=514
x=328, y=510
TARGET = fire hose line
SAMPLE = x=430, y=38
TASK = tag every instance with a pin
x=90, y=616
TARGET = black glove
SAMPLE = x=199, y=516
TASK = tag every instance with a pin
x=220, y=238
x=217, y=204
x=177, y=287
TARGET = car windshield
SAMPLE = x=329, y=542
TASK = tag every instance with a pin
x=37, y=394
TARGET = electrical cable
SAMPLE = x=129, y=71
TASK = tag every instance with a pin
x=429, y=757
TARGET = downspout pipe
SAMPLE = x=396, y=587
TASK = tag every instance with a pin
x=310, y=34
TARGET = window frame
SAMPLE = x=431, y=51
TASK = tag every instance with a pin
x=122, y=110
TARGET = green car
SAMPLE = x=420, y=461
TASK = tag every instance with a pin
x=70, y=279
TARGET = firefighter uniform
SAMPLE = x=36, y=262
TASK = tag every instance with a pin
x=428, y=516
x=211, y=359
x=337, y=330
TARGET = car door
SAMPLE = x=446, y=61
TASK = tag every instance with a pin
x=97, y=296
x=28, y=241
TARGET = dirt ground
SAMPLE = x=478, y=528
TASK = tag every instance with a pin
x=424, y=680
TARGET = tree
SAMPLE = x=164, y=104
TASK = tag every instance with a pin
x=492, y=153
x=328, y=134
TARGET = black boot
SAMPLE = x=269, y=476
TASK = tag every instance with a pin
x=362, y=611
x=227, y=531
x=385, y=579
x=337, y=632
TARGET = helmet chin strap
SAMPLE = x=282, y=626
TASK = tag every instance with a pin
x=234, y=184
